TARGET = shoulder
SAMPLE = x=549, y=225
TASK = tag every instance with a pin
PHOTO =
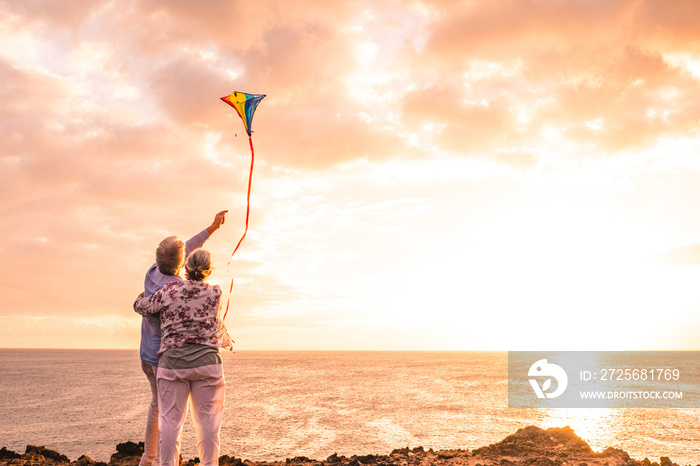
x=173, y=284
x=172, y=288
x=155, y=279
x=208, y=289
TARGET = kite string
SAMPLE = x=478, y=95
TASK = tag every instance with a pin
x=247, y=215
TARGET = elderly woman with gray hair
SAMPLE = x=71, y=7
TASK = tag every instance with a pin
x=189, y=359
x=170, y=256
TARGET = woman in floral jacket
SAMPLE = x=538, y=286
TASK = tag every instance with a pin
x=189, y=359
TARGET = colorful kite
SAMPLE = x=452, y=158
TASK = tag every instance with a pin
x=245, y=105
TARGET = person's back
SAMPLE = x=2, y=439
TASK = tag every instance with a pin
x=190, y=365
x=189, y=313
x=170, y=256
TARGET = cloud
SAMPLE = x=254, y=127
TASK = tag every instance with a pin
x=496, y=75
x=636, y=98
x=467, y=126
x=510, y=29
x=672, y=27
x=49, y=13
x=184, y=86
x=31, y=102
x=387, y=132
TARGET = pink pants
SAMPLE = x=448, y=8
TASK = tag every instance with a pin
x=150, y=455
x=205, y=386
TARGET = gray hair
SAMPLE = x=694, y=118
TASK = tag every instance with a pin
x=169, y=255
x=198, y=265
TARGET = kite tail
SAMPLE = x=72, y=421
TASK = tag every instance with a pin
x=247, y=215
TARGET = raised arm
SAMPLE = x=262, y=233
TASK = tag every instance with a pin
x=198, y=240
x=219, y=220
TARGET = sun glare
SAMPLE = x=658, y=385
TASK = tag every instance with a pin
x=597, y=427
x=563, y=275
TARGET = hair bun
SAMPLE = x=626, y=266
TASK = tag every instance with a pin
x=198, y=264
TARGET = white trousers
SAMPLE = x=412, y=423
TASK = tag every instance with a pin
x=205, y=386
x=150, y=455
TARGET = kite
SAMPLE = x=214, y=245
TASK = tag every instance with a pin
x=245, y=105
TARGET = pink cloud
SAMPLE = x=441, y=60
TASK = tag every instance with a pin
x=467, y=126
x=503, y=29
x=671, y=25
x=184, y=89
x=50, y=13
x=565, y=64
x=629, y=85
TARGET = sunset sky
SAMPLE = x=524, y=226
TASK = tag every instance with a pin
x=429, y=175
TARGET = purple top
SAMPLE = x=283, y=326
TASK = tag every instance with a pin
x=154, y=281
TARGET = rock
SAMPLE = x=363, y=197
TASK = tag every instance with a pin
x=129, y=449
x=400, y=451
x=226, y=460
x=449, y=454
x=560, y=441
x=544, y=462
x=8, y=454
x=530, y=446
x=46, y=453
x=367, y=459
x=84, y=461
x=128, y=454
x=616, y=454
x=299, y=459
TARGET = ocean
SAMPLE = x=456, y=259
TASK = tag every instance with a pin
x=282, y=404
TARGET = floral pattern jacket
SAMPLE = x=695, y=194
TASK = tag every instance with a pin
x=189, y=313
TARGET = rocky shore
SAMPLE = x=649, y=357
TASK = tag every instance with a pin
x=530, y=446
